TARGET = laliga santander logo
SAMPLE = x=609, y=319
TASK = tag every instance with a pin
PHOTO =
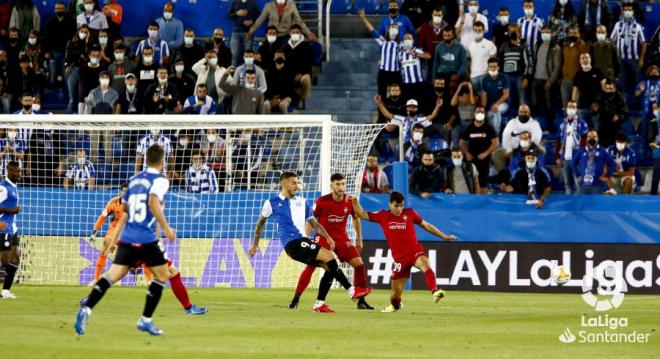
x=611, y=285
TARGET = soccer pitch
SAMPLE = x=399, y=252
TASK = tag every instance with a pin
x=254, y=323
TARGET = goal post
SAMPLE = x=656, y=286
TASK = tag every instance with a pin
x=221, y=170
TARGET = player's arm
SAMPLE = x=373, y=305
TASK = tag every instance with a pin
x=257, y=234
x=357, y=224
x=157, y=211
x=99, y=222
x=308, y=230
x=359, y=211
x=3, y=196
x=320, y=230
x=436, y=232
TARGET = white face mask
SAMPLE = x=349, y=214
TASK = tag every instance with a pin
x=148, y=59
x=417, y=136
x=546, y=36
x=247, y=136
x=249, y=85
x=296, y=37
x=94, y=60
x=213, y=61
x=81, y=160
x=167, y=15
x=211, y=137
x=11, y=135
x=36, y=107
x=492, y=73
x=153, y=33
x=571, y=112
x=524, y=143
x=620, y=146
x=408, y=43
x=480, y=117
x=119, y=56
x=104, y=82
x=281, y=1
x=478, y=36
x=188, y=40
x=529, y=12
x=531, y=165
x=162, y=81
x=437, y=20
x=457, y=161
x=183, y=143
x=586, y=67
x=82, y=35
x=271, y=38
x=504, y=20
x=32, y=41
x=154, y=132
x=89, y=7
x=628, y=14
x=103, y=41
x=601, y=37
x=179, y=68
x=393, y=32
x=563, y=2
x=473, y=9
x=249, y=60
x=130, y=88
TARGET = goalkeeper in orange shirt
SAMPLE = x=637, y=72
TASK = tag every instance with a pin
x=115, y=209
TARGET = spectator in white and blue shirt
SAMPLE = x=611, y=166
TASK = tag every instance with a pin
x=623, y=179
x=200, y=103
x=530, y=25
x=200, y=178
x=389, y=70
x=81, y=174
x=161, y=54
x=572, y=136
x=171, y=28
x=153, y=137
x=628, y=35
x=11, y=149
x=411, y=68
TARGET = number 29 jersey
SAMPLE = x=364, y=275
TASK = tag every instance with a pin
x=141, y=225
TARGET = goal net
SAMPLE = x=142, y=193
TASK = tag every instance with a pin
x=221, y=170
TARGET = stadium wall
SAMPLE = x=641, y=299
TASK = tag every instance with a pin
x=505, y=245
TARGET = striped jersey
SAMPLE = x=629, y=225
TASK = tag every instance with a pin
x=389, y=51
x=291, y=215
x=8, y=199
x=18, y=146
x=161, y=49
x=411, y=67
x=81, y=174
x=628, y=37
x=141, y=225
x=201, y=180
x=530, y=29
x=147, y=141
x=407, y=123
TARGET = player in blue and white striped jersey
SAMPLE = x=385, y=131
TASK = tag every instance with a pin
x=154, y=137
x=11, y=149
x=200, y=178
x=9, y=240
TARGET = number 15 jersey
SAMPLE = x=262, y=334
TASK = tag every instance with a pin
x=141, y=225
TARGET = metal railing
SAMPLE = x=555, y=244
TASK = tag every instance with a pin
x=328, y=5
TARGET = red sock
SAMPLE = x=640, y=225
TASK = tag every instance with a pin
x=430, y=280
x=100, y=265
x=180, y=291
x=304, y=279
x=396, y=302
x=360, y=276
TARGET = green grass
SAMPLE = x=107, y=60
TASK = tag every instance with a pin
x=255, y=323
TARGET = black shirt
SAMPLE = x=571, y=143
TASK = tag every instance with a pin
x=588, y=83
x=58, y=33
x=478, y=139
x=190, y=55
x=130, y=104
x=89, y=79
x=185, y=84
x=424, y=179
x=520, y=181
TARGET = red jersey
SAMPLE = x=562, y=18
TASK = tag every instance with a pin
x=333, y=216
x=399, y=231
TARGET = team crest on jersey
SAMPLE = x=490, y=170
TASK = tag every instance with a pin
x=345, y=210
x=397, y=226
x=405, y=218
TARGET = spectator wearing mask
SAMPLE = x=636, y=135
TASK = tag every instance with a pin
x=27, y=100
x=129, y=102
x=531, y=180
x=571, y=50
x=113, y=14
x=562, y=18
x=299, y=57
x=248, y=64
x=523, y=122
x=119, y=68
x=75, y=56
x=415, y=147
x=450, y=59
x=649, y=88
x=462, y=176
x=57, y=32
x=612, y=113
x=23, y=79
x=200, y=103
x=402, y=22
x=478, y=142
x=590, y=168
x=411, y=68
x=654, y=144
x=102, y=99
x=501, y=29
x=623, y=178
x=428, y=178
x=81, y=174
x=605, y=55
x=280, y=91
x=282, y=14
x=572, y=136
x=394, y=103
x=242, y=13
x=92, y=17
x=594, y=13
x=106, y=46
x=588, y=85
x=89, y=75
x=525, y=146
x=268, y=48
x=25, y=17
x=14, y=45
x=34, y=51
x=412, y=117
x=146, y=70
x=479, y=51
x=465, y=24
x=200, y=178
x=516, y=62
x=374, y=179
x=183, y=152
x=161, y=51
x=155, y=136
x=443, y=123
x=213, y=149
x=546, y=68
x=629, y=38
x=217, y=45
x=247, y=100
x=250, y=152
x=209, y=73
x=190, y=51
x=430, y=34
x=530, y=25
x=160, y=93
x=170, y=28
x=495, y=94
x=11, y=149
x=183, y=80
x=465, y=101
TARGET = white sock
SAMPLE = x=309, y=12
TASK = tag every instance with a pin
x=318, y=303
x=146, y=320
x=351, y=291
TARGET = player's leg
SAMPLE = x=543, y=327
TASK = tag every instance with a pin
x=327, y=258
x=115, y=273
x=422, y=263
x=102, y=258
x=180, y=291
x=303, y=282
x=11, y=261
x=395, y=297
x=154, y=293
x=351, y=255
x=324, y=288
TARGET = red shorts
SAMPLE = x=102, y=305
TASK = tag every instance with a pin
x=402, y=267
x=344, y=251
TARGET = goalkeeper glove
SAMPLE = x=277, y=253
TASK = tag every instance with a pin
x=92, y=238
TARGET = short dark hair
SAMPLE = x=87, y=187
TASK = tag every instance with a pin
x=337, y=177
x=478, y=24
x=250, y=72
x=155, y=154
x=202, y=85
x=123, y=185
x=163, y=67
x=271, y=27
x=248, y=51
x=197, y=153
x=153, y=23
x=294, y=27
x=621, y=137
x=427, y=152
x=493, y=59
x=528, y=1
x=503, y=8
x=120, y=47
x=286, y=175
x=396, y=197
x=609, y=82
x=418, y=125
x=26, y=93
x=13, y=165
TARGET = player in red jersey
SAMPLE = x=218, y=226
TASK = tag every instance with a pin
x=332, y=211
x=398, y=224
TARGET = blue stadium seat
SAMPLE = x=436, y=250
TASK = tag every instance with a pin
x=437, y=144
x=388, y=170
x=317, y=51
